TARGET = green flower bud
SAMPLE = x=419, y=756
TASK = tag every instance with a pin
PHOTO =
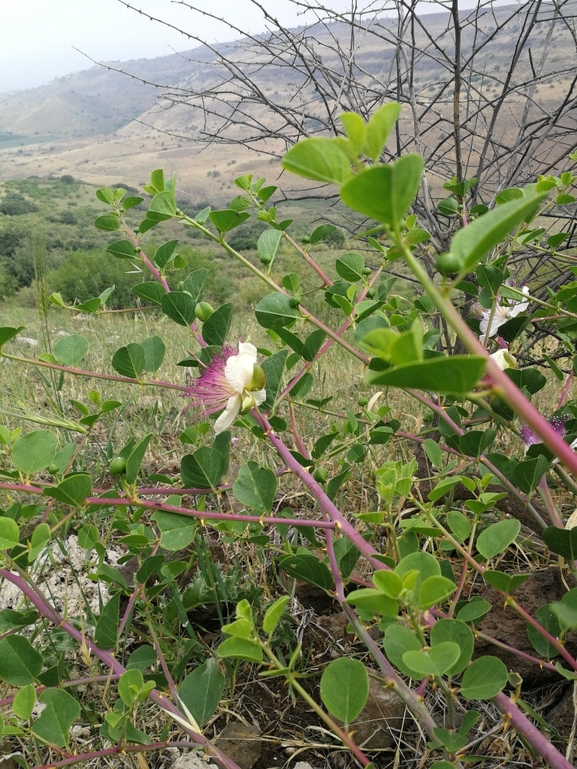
x=448, y=263
x=295, y=300
x=117, y=466
x=258, y=380
x=320, y=475
x=370, y=293
x=203, y=311
x=362, y=401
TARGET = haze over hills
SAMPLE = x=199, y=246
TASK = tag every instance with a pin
x=103, y=126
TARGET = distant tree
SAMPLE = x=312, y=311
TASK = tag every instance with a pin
x=15, y=204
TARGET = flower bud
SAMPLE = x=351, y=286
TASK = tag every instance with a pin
x=258, y=380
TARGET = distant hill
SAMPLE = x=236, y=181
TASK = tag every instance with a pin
x=103, y=126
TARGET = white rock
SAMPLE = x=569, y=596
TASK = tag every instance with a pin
x=191, y=761
x=27, y=340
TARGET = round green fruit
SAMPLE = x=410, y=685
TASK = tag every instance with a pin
x=362, y=401
x=117, y=466
x=53, y=469
x=320, y=475
x=203, y=311
x=295, y=300
x=448, y=263
x=370, y=293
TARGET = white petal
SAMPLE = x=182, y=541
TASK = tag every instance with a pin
x=503, y=359
x=239, y=368
x=228, y=416
x=259, y=396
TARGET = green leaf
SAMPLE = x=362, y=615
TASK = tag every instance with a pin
x=474, y=610
x=108, y=223
x=548, y=619
x=453, y=741
x=268, y=244
x=13, y=620
x=194, y=283
x=179, y=306
x=350, y=266
x=106, y=631
x=527, y=474
x=507, y=583
x=435, y=590
x=20, y=663
x=8, y=332
x=71, y=349
x=458, y=632
x=154, y=352
x=345, y=688
x=255, y=487
x=72, y=491
x=395, y=348
x=216, y=328
x=308, y=568
x=319, y=159
x=273, y=368
x=355, y=130
x=53, y=724
x=378, y=129
x=163, y=205
x=9, y=533
x=389, y=582
x=38, y=541
x=134, y=459
x=471, y=243
x=274, y=613
x=318, y=234
x=475, y=442
x=34, y=451
x=24, y=701
x=240, y=648
x=459, y=524
x=177, y=531
x=436, y=661
x=561, y=541
x=201, y=691
x=397, y=641
x=129, y=361
x=165, y=253
x=385, y=192
x=433, y=452
x=484, y=678
x=228, y=219
x=497, y=537
x=122, y=249
x=275, y=310
x=151, y=291
x=373, y=602
x=203, y=469
x=129, y=685
x=141, y=658
x=457, y=374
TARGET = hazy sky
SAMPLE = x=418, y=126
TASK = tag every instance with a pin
x=38, y=37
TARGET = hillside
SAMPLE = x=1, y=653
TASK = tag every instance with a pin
x=117, y=120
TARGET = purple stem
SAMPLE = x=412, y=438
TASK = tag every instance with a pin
x=134, y=596
x=110, y=661
x=153, y=270
x=566, y=389
x=116, y=751
x=204, y=516
x=326, y=506
x=529, y=731
x=96, y=375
